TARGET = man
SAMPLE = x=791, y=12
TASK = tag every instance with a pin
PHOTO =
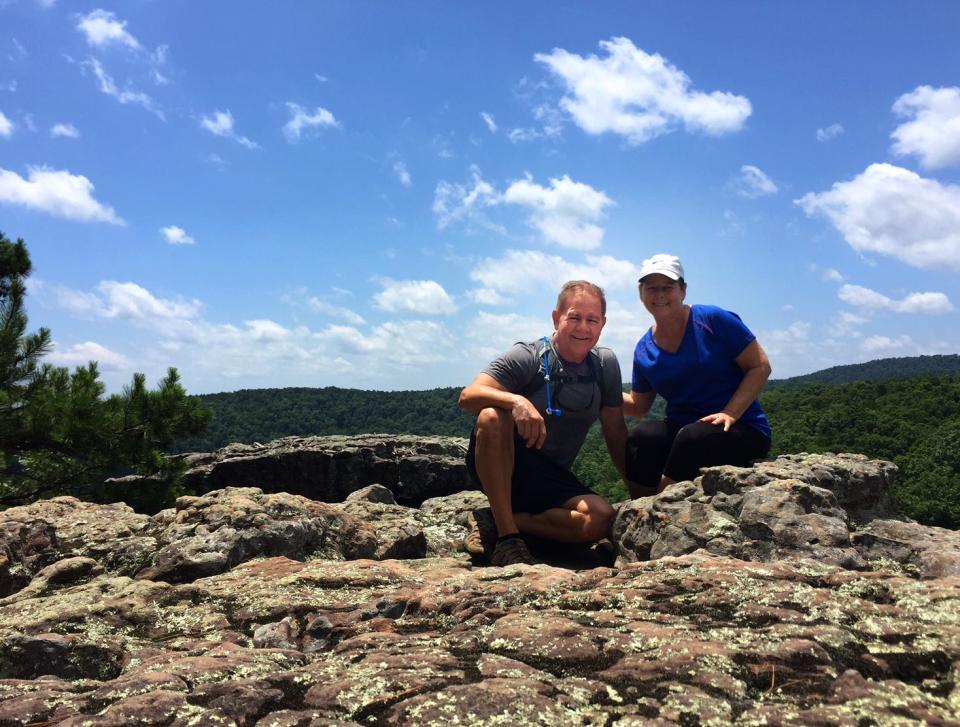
x=534, y=405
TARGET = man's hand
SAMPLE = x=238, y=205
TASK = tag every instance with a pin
x=530, y=424
x=720, y=419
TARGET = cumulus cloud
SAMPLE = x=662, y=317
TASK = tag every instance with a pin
x=109, y=87
x=220, y=123
x=80, y=354
x=489, y=121
x=860, y=297
x=520, y=271
x=6, y=126
x=564, y=212
x=486, y=296
x=893, y=211
x=901, y=345
x=56, y=192
x=301, y=119
x=753, y=183
x=426, y=297
x=400, y=169
x=176, y=235
x=829, y=133
x=490, y=334
x=465, y=203
x=933, y=130
x=319, y=305
x=102, y=28
x=126, y=300
x=828, y=274
x=68, y=131
x=639, y=95
x=412, y=342
x=847, y=325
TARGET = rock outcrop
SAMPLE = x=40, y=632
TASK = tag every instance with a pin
x=329, y=468
x=771, y=595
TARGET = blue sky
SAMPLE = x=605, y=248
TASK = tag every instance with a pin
x=385, y=195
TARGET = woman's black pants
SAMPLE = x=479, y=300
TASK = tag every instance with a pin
x=658, y=448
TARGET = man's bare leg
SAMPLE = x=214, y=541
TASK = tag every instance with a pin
x=581, y=519
x=493, y=458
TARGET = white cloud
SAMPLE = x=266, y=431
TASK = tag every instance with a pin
x=933, y=132
x=220, y=123
x=828, y=274
x=639, y=95
x=319, y=305
x=521, y=271
x=400, y=169
x=110, y=88
x=407, y=342
x=894, y=211
x=129, y=300
x=426, y=297
x=301, y=119
x=6, y=126
x=847, y=325
x=860, y=297
x=68, y=131
x=58, y=193
x=176, y=235
x=489, y=121
x=101, y=28
x=80, y=354
x=901, y=346
x=457, y=203
x=490, y=334
x=753, y=183
x=564, y=212
x=785, y=344
x=486, y=296
x=829, y=133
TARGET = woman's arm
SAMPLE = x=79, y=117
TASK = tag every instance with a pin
x=636, y=404
x=756, y=369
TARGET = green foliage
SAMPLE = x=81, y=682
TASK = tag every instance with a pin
x=59, y=435
x=259, y=415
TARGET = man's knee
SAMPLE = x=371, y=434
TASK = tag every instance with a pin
x=494, y=423
x=598, y=518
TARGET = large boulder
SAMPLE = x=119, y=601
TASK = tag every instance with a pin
x=820, y=506
x=329, y=468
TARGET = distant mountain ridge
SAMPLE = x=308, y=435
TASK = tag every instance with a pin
x=881, y=369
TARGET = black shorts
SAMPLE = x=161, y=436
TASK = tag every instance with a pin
x=539, y=483
x=657, y=448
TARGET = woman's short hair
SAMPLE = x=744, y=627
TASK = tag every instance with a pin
x=577, y=286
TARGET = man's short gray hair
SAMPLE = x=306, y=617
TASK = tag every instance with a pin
x=577, y=286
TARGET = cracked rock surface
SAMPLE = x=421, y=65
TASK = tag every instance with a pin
x=772, y=595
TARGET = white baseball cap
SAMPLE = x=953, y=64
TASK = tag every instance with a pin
x=664, y=264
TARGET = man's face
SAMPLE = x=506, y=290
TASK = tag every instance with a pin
x=578, y=323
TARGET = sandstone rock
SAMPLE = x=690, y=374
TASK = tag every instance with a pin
x=681, y=640
x=330, y=468
x=216, y=531
x=796, y=506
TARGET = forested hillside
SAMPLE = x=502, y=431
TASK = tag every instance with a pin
x=879, y=370
x=263, y=414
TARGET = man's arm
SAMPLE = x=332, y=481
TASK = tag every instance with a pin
x=615, y=435
x=485, y=391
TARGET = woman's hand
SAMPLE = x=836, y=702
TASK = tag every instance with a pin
x=720, y=419
x=530, y=424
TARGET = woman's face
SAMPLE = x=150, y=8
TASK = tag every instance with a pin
x=662, y=296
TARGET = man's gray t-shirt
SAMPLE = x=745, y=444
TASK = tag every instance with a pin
x=520, y=371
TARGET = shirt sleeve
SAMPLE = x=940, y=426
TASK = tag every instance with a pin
x=514, y=369
x=731, y=331
x=612, y=385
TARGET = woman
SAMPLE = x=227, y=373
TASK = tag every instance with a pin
x=710, y=368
